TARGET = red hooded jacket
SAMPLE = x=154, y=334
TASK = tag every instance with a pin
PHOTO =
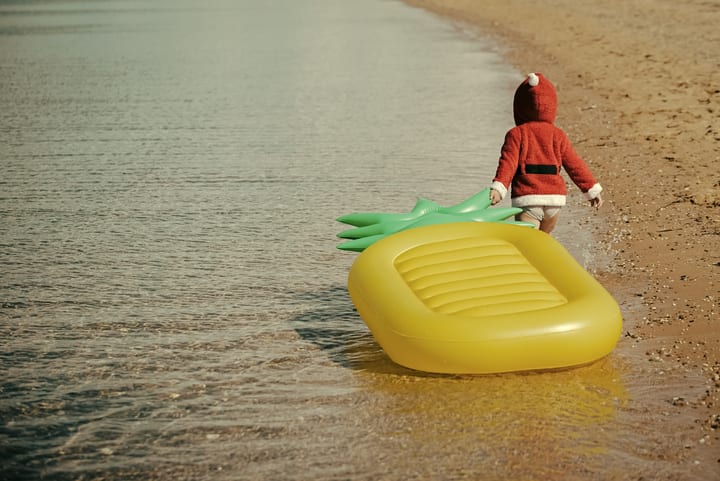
x=535, y=151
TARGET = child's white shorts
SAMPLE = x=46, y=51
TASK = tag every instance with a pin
x=539, y=212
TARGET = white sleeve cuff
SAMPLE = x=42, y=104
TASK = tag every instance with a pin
x=502, y=190
x=593, y=192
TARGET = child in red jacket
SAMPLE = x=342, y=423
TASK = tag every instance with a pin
x=532, y=156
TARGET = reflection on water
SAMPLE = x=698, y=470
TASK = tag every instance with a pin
x=510, y=421
x=172, y=302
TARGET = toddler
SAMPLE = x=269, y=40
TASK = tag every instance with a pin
x=531, y=158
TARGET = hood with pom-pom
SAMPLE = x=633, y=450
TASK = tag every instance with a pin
x=535, y=100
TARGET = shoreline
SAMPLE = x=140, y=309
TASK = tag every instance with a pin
x=639, y=97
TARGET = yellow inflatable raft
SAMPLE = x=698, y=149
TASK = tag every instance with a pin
x=482, y=298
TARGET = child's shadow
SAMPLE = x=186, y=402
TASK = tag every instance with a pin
x=335, y=327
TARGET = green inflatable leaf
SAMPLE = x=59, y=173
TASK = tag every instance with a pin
x=370, y=227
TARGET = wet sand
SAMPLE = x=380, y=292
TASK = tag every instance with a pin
x=639, y=92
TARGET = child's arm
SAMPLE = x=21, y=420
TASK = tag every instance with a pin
x=507, y=166
x=581, y=175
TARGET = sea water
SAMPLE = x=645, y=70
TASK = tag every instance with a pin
x=172, y=302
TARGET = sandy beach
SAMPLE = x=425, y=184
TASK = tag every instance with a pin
x=639, y=93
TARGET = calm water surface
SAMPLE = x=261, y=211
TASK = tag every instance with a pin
x=173, y=305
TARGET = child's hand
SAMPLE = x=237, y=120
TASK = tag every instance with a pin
x=597, y=202
x=495, y=196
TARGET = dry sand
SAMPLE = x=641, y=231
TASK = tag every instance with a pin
x=639, y=90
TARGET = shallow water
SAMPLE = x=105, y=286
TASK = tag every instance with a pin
x=173, y=305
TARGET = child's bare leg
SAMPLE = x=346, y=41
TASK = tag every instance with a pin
x=525, y=217
x=549, y=223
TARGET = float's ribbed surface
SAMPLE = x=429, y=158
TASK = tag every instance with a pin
x=476, y=277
